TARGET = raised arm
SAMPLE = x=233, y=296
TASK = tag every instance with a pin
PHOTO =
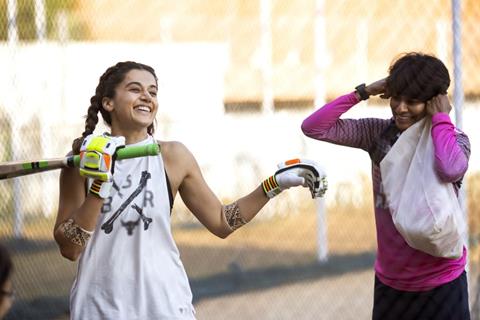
x=325, y=123
x=452, y=147
x=81, y=209
x=77, y=211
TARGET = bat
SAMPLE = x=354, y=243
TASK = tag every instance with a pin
x=22, y=168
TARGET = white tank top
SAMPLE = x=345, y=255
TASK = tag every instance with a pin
x=131, y=267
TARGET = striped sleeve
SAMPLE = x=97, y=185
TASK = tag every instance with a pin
x=452, y=148
x=325, y=124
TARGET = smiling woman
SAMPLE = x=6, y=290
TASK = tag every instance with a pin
x=131, y=268
x=406, y=111
x=409, y=283
x=134, y=104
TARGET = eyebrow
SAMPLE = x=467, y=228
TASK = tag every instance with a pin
x=139, y=84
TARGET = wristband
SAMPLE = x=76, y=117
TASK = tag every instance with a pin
x=360, y=89
x=270, y=187
x=101, y=189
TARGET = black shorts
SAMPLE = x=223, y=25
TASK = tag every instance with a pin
x=446, y=302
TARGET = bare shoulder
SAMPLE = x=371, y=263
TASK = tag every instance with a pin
x=179, y=161
x=175, y=152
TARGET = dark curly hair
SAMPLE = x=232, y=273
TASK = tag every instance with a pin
x=417, y=76
x=106, y=88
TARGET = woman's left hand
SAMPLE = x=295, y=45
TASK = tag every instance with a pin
x=439, y=103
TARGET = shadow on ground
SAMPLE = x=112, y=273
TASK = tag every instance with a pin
x=238, y=281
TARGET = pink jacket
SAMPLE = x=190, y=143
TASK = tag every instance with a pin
x=397, y=264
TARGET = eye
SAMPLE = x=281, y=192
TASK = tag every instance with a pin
x=153, y=93
x=134, y=89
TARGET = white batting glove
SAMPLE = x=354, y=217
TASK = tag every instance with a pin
x=296, y=172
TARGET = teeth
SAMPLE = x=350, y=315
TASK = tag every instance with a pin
x=143, y=108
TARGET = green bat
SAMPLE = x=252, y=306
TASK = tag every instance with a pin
x=22, y=168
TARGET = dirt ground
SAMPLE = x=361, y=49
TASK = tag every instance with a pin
x=343, y=297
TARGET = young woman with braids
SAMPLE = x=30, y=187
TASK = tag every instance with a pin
x=115, y=217
x=409, y=283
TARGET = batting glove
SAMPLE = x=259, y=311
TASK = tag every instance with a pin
x=297, y=172
x=97, y=160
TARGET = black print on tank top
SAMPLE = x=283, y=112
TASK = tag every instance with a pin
x=108, y=225
x=128, y=181
x=146, y=220
x=130, y=225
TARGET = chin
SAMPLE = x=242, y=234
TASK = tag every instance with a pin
x=143, y=123
x=403, y=126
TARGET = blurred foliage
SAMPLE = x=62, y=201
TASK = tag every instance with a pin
x=25, y=19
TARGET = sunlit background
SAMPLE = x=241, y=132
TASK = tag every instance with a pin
x=236, y=79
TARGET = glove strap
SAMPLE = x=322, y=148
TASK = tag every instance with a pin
x=100, y=188
x=270, y=187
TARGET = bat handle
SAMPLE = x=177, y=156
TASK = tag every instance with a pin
x=152, y=149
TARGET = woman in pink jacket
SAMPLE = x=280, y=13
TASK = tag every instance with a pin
x=409, y=284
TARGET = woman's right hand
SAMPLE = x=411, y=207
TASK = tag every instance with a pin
x=378, y=88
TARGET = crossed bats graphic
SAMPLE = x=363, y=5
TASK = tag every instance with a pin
x=108, y=225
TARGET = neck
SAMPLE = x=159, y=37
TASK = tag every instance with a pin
x=131, y=136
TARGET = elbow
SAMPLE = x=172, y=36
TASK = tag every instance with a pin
x=306, y=128
x=222, y=231
x=68, y=251
x=449, y=174
x=69, y=254
x=223, y=234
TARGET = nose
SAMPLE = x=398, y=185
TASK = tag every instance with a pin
x=402, y=107
x=146, y=96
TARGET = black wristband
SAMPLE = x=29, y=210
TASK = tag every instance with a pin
x=360, y=89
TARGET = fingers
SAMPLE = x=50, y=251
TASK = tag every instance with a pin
x=310, y=180
x=439, y=103
x=377, y=87
x=385, y=95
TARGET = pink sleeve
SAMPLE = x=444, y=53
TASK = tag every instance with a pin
x=315, y=125
x=325, y=124
x=452, y=148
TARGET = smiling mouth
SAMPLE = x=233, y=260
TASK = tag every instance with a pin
x=143, y=108
x=403, y=118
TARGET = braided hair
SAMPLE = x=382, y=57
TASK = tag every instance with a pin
x=106, y=88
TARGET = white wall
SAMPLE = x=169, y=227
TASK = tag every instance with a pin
x=235, y=151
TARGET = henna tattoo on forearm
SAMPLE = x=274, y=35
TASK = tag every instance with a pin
x=75, y=233
x=233, y=216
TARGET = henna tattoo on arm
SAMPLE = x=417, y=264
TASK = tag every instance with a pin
x=233, y=216
x=75, y=233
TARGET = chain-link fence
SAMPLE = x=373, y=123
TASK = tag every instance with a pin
x=236, y=78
